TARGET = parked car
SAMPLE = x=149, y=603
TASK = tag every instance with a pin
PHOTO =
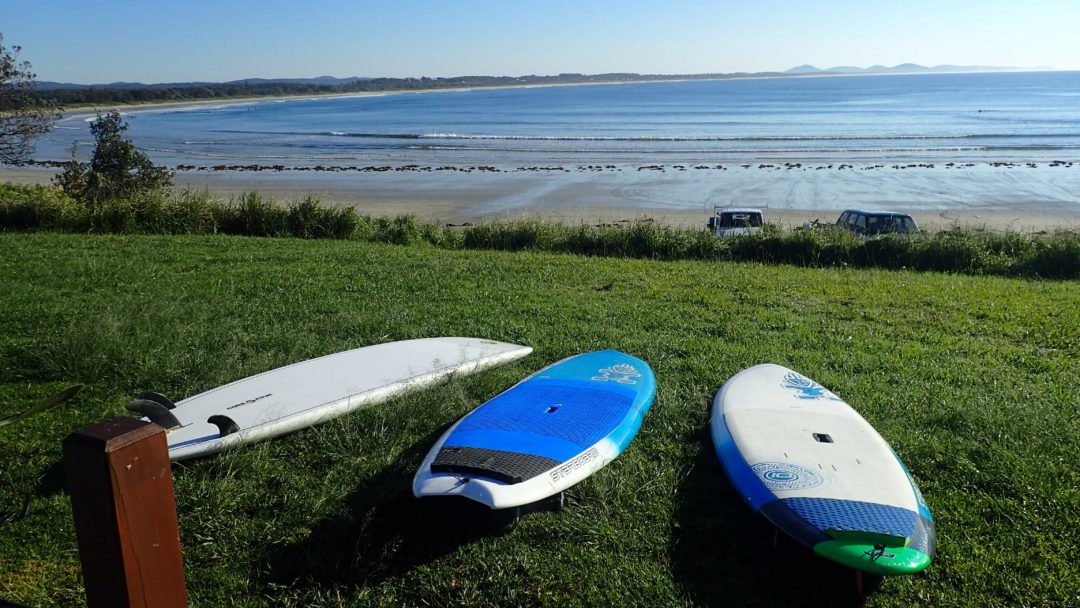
x=735, y=221
x=872, y=224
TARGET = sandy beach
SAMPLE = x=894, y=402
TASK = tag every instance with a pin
x=1000, y=198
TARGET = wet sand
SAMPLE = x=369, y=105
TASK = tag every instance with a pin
x=1015, y=197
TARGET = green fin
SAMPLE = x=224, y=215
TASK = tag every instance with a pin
x=879, y=559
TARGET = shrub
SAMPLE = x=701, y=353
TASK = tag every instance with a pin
x=35, y=208
x=309, y=219
x=1056, y=257
x=399, y=230
x=193, y=211
x=27, y=208
x=252, y=215
x=116, y=170
x=890, y=251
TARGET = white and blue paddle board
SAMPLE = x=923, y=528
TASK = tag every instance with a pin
x=543, y=435
x=313, y=391
x=817, y=470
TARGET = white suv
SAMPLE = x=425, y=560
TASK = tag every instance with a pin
x=736, y=222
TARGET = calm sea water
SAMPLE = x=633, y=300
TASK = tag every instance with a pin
x=1017, y=117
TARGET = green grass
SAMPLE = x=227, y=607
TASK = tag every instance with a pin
x=973, y=380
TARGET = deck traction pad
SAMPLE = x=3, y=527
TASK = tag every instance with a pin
x=508, y=467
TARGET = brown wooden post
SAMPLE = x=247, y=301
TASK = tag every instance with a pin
x=121, y=490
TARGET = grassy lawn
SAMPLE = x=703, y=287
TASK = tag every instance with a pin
x=973, y=380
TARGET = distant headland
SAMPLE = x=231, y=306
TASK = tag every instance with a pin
x=73, y=94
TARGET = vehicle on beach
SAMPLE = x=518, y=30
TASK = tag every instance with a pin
x=735, y=221
x=872, y=224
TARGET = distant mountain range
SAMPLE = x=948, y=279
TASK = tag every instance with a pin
x=903, y=68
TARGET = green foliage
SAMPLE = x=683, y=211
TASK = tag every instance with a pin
x=1057, y=257
x=399, y=230
x=36, y=208
x=971, y=379
x=23, y=115
x=959, y=251
x=117, y=170
x=251, y=214
x=309, y=219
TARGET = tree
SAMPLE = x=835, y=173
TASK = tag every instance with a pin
x=116, y=170
x=23, y=116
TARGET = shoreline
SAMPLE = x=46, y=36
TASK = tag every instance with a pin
x=682, y=200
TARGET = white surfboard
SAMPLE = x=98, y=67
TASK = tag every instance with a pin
x=817, y=470
x=307, y=393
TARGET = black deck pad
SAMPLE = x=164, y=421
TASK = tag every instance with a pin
x=508, y=467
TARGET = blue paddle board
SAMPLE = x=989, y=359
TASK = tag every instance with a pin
x=810, y=464
x=543, y=435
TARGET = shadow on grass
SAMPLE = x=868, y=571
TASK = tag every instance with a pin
x=724, y=554
x=387, y=532
x=53, y=480
x=19, y=491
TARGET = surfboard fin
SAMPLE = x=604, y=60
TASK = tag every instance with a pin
x=226, y=425
x=157, y=412
x=158, y=398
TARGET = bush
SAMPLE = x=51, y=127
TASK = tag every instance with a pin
x=193, y=212
x=1056, y=257
x=28, y=208
x=398, y=230
x=117, y=170
x=252, y=215
x=309, y=219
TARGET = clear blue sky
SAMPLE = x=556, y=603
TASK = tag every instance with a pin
x=96, y=41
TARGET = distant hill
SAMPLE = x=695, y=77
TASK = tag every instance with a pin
x=903, y=68
x=804, y=69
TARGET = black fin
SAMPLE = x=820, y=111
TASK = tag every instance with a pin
x=156, y=412
x=225, y=425
x=158, y=398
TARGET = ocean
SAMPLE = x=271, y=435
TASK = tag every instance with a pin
x=998, y=149
x=927, y=118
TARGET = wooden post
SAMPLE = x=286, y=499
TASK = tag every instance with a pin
x=121, y=490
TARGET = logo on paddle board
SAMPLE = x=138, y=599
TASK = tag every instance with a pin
x=623, y=373
x=785, y=476
x=806, y=388
x=575, y=464
x=249, y=401
x=877, y=553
